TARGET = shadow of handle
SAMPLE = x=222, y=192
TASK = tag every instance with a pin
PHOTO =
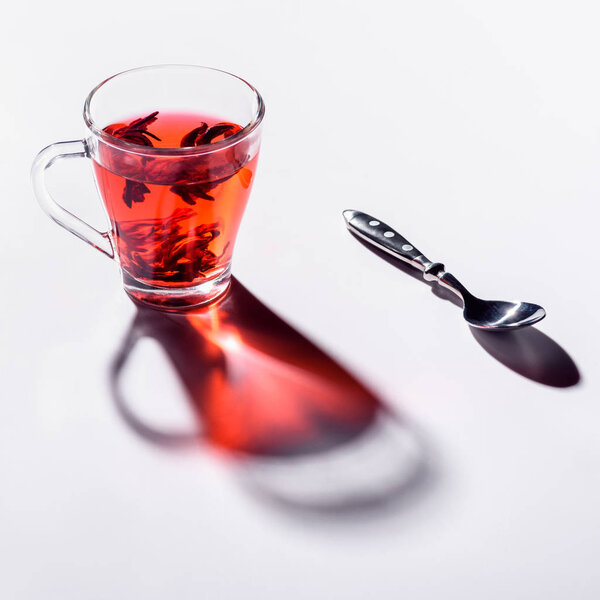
x=532, y=354
x=167, y=439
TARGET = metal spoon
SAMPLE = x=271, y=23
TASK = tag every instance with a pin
x=484, y=314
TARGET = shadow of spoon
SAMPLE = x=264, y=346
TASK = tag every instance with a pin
x=526, y=351
x=532, y=354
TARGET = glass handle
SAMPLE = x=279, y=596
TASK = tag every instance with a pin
x=45, y=159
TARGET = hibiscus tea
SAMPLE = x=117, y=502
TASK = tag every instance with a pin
x=174, y=215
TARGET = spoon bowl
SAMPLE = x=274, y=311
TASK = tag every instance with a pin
x=498, y=314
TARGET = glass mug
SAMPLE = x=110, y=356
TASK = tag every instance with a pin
x=174, y=150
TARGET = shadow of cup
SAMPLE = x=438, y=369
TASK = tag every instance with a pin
x=294, y=425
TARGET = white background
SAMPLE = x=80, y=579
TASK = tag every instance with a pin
x=473, y=128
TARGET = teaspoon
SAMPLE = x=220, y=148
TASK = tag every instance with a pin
x=484, y=314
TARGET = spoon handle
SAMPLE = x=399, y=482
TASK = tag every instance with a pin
x=385, y=238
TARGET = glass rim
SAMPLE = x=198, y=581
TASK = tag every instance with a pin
x=186, y=151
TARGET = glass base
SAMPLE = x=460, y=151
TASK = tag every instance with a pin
x=177, y=299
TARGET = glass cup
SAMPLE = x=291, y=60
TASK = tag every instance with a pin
x=174, y=207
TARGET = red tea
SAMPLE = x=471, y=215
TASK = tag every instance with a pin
x=174, y=217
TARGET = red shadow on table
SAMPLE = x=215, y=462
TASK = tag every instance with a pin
x=298, y=428
x=527, y=351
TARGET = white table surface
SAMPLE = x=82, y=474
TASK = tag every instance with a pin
x=474, y=128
